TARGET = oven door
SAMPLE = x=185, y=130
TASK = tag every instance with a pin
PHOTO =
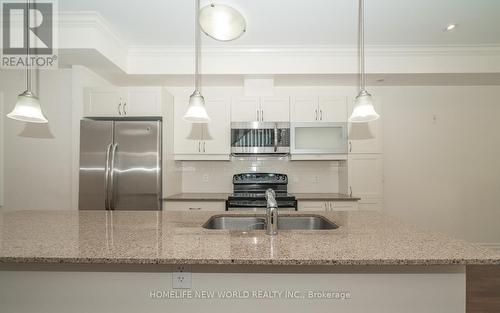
x=258, y=205
x=260, y=138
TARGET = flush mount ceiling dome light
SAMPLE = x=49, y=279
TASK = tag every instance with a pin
x=222, y=22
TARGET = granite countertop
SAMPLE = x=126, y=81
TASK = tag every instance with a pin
x=198, y=196
x=209, y=196
x=325, y=197
x=155, y=237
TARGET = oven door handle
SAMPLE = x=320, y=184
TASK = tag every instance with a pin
x=275, y=137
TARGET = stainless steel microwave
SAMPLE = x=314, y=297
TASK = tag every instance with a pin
x=260, y=138
x=318, y=138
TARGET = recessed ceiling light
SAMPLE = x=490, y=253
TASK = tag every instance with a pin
x=450, y=27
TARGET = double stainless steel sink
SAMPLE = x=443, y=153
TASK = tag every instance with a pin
x=285, y=222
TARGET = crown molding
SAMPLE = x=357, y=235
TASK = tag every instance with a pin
x=318, y=50
x=89, y=31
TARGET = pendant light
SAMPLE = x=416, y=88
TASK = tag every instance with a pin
x=27, y=107
x=363, y=104
x=196, y=112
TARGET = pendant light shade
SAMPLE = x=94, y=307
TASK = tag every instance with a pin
x=363, y=111
x=363, y=108
x=196, y=112
x=27, y=109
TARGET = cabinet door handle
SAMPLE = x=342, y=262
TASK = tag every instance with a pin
x=120, y=108
x=194, y=209
x=199, y=146
x=258, y=115
x=350, y=191
x=316, y=114
x=124, y=108
x=350, y=146
x=262, y=115
x=320, y=115
x=204, y=146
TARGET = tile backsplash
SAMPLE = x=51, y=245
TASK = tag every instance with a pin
x=303, y=176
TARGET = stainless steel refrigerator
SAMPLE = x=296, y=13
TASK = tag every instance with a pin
x=120, y=165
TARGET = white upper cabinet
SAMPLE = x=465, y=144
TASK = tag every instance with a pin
x=319, y=109
x=103, y=102
x=245, y=109
x=332, y=109
x=216, y=134
x=366, y=137
x=143, y=101
x=202, y=141
x=275, y=109
x=122, y=102
x=304, y=109
x=260, y=109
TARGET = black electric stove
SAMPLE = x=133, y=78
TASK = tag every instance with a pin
x=249, y=192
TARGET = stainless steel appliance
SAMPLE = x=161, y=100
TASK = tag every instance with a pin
x=260, y=138
x=120, y=165
x=318, y=138
x=250, y=192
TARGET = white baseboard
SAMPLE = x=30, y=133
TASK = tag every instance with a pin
x=492, y=245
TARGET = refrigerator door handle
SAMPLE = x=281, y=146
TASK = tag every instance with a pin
x=106, y=178
x=112, y=177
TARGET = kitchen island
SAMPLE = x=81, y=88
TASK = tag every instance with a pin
x=128, y=261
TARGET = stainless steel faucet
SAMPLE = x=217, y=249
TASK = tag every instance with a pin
x=271, y=213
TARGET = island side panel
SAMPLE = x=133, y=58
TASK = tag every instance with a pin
x=483, y=288
x=290, y=289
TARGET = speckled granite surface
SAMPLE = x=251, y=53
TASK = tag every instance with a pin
x=364, y=238
x=325, y=197
x=198, y=196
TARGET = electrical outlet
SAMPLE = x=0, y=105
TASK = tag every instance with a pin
x=181, y=278
x=205, y=178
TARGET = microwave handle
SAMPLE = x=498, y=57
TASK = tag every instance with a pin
x=275, y=137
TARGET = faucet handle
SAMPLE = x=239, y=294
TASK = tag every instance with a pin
x=270, y=192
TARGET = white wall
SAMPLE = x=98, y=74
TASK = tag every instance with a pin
x=37, y=157
x=442, y=158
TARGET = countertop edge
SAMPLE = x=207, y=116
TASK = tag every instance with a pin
x=297, y=262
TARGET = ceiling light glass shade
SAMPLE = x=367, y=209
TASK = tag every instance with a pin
x=27, y=109
x=222, y=22
x=364, y=111
x=196, y=112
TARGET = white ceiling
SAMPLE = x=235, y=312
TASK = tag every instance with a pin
x=311, y=22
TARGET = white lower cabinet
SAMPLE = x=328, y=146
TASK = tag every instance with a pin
x=194, y=206
x=365, y=177
x=327, y=206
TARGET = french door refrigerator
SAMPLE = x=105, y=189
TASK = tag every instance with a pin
x=120, y=165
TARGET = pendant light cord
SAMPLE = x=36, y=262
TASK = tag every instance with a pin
x=196, y=46
x=361, y=44
x=28, y=66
